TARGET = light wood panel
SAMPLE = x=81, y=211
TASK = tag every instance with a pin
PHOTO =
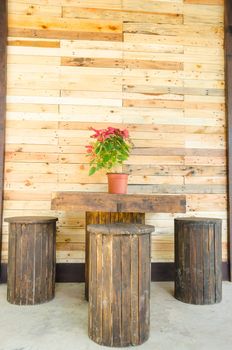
x=3, y=48
x=228, y=66
x=155, y=67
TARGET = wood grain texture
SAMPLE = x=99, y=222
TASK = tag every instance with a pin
x=81, y=201
x=198, y=268
x=156, y=68
x=32, y=260
x=228, y=76
x=119, y=302
x=3, y=45
x=105, y=218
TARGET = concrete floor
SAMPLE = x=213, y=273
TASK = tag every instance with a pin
x=62, y=323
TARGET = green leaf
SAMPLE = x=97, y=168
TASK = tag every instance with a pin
x=98, y=148
x=106, y=158
x=92, y=170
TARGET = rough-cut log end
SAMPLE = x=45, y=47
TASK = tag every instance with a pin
x=198, y=260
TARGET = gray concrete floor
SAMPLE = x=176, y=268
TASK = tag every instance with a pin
x=62, y=323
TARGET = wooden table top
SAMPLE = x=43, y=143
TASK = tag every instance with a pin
x=106, y=202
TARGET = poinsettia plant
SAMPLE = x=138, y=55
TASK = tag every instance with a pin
x=110, y=148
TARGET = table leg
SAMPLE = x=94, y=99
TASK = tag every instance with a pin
x=100, y=217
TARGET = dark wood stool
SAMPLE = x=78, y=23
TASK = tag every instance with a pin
x=198, y=260
x=106, y=218
x=119, y=283
x=31, y=259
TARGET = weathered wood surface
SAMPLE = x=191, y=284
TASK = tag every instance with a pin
x=93, y=201
x=119, y=289
x=228, y=78
x=155, y=67
x=32, y=260
x=106, y=218
x=198, y=260
x=3, y=45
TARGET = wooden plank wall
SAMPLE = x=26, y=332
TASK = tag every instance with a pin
x=156, y=67
x=3, y=47
x=228, y=89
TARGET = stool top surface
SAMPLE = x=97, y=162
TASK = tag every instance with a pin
x=198, y=219
x=31, y=219
x=120, y=229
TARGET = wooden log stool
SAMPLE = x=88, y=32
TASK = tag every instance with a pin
x=119, y=283
x=198, y=260
x=31, y=259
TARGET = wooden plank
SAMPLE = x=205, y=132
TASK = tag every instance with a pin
x=92, y=282
x=207, y=14
x=107, y=290
x=117, y=312
x=125, y=261
x=134, y=290
x=111, y=4
x=228, y=77
x=204, y=2
x=33, y=43
x=90, y=218
x=144, y=271
x=114, y=14
x=184, y=170
x=87, y=201
x=79, y=29
x=3, y=43
x=34, y=9
x=154, y=6
x=120, y=63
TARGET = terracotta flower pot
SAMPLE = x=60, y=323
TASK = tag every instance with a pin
x=117, y=183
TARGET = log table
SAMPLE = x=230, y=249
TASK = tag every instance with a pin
x=105, y=208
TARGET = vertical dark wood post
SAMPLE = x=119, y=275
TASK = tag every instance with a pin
x=3, y=44
x=228, y=80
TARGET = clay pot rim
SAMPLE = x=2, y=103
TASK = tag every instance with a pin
x=117, y=174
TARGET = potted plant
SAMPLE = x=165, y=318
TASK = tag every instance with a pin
x=110, y=148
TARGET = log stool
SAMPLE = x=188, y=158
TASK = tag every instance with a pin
x=119, y=283
x=198, y=260
x=31, y=259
